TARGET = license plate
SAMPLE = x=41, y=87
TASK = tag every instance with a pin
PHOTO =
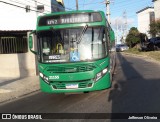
x=71, y=86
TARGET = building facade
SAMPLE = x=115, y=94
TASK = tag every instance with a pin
x=18, y=18
x=145, y=17
x=157, y=9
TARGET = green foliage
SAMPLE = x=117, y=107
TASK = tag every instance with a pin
x=143, y=37
x=158, y=27
x=155, y=28
x=133, y=37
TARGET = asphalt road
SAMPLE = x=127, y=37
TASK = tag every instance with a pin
x=135, y=89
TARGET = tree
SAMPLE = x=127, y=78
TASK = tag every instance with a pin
x=155, y=28
x=133, y=37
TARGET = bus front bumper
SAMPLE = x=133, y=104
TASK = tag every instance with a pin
x=76, y=86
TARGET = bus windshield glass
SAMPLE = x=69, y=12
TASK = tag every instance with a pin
x=72, y=45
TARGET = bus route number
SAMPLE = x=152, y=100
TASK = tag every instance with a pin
x=55, y=57
x=54, y=77
x=52, y=22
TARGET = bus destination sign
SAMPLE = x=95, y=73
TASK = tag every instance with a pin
x=66, y=20
x=70, y=18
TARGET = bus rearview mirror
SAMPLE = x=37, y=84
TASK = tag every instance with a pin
x=112, y=36
x=31, y=42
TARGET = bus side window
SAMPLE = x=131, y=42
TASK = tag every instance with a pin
x=104, y=37
x=104, y=41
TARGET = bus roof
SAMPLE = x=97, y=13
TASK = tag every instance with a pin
x=70, y=12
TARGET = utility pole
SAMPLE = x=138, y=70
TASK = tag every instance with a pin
x=116, y=22
x=108, y=11
x=35, y=42
x=125, y=26
x=77, y=4
x=36, y=8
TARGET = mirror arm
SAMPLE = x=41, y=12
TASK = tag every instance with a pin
x=33, y=51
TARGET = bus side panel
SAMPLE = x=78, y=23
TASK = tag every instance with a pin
x=103, y=83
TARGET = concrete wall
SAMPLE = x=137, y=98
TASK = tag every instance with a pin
x=144, y=21
x=17, y=65
x=157, y=9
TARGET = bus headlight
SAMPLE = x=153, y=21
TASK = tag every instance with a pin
x=101, y=74
x=41, y=75
x=45, y=78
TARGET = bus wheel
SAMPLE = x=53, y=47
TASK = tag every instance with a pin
x=86, y=92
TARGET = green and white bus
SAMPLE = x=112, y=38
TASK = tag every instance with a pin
x=74, y=51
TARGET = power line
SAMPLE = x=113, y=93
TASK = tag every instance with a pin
x=89, y=3
x=25, y=4
x=17, y=6
x=117, y=9
x=54, y=5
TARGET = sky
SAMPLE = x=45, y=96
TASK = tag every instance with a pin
x=117, y=9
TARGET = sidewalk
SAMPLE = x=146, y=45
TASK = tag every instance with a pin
x=11, y=88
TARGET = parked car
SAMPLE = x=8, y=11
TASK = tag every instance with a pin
x=121, y=47
x=151, y=45
x=155, y=42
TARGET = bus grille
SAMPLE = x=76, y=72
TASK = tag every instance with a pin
x=62, y=85
x=71, y=69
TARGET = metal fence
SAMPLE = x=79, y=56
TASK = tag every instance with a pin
x=9, y=45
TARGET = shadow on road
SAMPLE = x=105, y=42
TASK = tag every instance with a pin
x=5, y=82
x=134, y=92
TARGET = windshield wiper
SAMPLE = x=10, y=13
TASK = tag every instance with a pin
x=82, y=33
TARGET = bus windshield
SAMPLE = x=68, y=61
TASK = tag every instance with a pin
x=72, y=45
